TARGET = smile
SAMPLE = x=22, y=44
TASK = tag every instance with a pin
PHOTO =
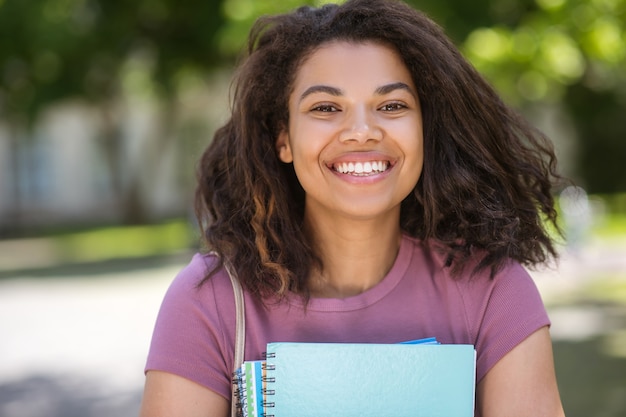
x=361, y=168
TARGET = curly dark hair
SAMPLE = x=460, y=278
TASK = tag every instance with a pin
x=487, y=178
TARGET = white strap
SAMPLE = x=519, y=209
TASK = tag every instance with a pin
x=240, y=328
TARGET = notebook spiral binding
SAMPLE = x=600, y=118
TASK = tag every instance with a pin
x=267, y=405
x=240, y=392
x=241, y=389
x=237, y=381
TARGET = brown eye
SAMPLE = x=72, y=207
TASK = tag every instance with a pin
x=325, y=108
x=393, y=107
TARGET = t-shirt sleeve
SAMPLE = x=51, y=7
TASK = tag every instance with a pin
x=192, y=330
x=509, y=310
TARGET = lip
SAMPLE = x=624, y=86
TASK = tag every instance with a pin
x=368, y=156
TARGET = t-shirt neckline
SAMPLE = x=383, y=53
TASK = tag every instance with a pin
x=368, y=297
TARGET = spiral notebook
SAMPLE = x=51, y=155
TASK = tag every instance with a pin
x=330, y=379
x=248, y=380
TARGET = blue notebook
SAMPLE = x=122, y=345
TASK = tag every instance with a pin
x=317, y=379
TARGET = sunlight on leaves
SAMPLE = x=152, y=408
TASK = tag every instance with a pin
x=489, y=44
x=605, y=40
x=239, y=10
x=550, y=5
x=562, y=57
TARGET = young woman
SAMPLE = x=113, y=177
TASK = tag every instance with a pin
x=369, y=186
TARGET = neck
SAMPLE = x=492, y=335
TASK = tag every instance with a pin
x=356, y=255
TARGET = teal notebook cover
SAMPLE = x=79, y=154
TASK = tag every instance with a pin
x=318, y=379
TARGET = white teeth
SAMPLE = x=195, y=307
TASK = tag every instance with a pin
x=361, y=168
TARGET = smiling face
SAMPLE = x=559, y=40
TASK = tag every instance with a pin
x=355, y=131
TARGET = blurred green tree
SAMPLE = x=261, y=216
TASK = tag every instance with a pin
x=570, y=53
x=97, y=50
x=566, y=52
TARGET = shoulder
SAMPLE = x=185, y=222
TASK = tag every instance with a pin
x=511, y=292
x=194, y=331
x=512, y=286
x=496, y=313
x=193, y=297
x=431, y=258
x=192, y=280
x=196, y=270
x=502, y=311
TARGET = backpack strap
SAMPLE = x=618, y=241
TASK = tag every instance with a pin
x=240, y=328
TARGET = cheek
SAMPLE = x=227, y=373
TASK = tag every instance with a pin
x=309, y=145
x=419, y=151
x=305, y=159
x=418, y=141
x=415, y=152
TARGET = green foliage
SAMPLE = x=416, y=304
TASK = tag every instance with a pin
x=124, y=242
x=559, y=44
x=530, y=50
x=241, y=14
x=570, y=52
x=54, y=49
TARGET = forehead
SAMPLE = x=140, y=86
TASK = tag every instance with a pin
x=352, y=64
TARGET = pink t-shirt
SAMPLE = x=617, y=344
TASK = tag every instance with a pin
x=194, y=332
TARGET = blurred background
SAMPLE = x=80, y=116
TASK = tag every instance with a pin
x=105, y=106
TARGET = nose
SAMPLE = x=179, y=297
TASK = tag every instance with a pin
x=361, y=126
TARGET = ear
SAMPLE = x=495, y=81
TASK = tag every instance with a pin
x=283, y=149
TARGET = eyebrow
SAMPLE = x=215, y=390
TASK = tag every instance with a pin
x=333, y=91
x=388, y=88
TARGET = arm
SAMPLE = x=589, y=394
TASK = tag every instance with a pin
x=523, y=382
x=169, y=395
